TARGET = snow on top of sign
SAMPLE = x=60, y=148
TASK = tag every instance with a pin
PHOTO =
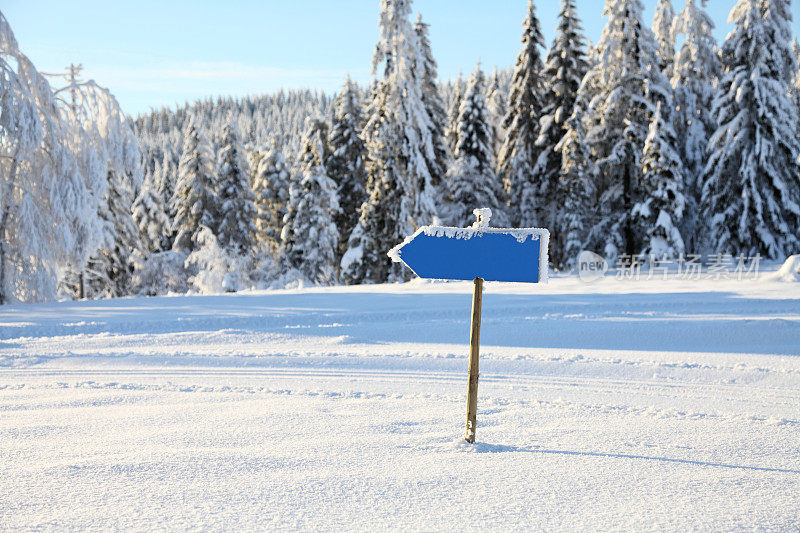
x=483, y=215
x=521, y=234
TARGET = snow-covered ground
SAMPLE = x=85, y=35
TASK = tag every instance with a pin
x=631, y=405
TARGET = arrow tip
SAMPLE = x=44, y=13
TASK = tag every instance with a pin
x=394, y=253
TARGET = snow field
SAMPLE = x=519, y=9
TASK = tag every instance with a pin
x=616, y=405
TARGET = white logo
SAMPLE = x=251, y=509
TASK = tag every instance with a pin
x=591, y=266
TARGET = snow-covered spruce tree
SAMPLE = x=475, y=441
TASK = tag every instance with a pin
x=796, y=79
x=696, y=70
x=452, y=112
x=622, y=91
x=519, y=152
x=471, y=179
x=150, y=217
x=433, y=103
x=271, y=187
x=385, y=216
x=352, y=267
x=160, y=273
x=496, y=96
x=565, y=68
x=257, y=118
x=153, y=178
x=210, y=264
x=194, y=201
x=151, y=211
x=264, y=267
x=399, y=146
x=665, y=38
x=399, y=52
x=310, y=237
x=778, y=14
x=784, y=59
x=662, y=208
x=109, y=271
x=751, y=192
x=577, y=190
x=236, y=230
x=345, y=165
x=166, y=182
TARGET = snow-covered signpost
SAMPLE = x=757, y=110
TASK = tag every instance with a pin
x=479, y=253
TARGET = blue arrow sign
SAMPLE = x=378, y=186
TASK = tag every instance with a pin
x=493, y=254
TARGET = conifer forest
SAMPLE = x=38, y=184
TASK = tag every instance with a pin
x=657, y=141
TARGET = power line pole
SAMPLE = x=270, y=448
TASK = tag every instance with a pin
x=73, y=71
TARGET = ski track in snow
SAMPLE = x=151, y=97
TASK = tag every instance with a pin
x=617, y=405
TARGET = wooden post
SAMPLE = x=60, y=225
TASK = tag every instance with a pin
x=474, y=352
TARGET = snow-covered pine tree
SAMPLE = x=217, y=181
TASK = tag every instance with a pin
x=166, y=188
x=399, y=51
x=399, y=146
x=519, y=153
x=271, y=187
x=109, y=271
x=236, y=230
x=166, y=179
x=796, y=79
x=452, y=112
x=696, y=70
x=153, y=180
x=665, y=38
x=194, y=201
x=160, y=273
x=257, y=118
x=578, y=175
x=784, y=59
x=309, y=236
x=352, y=267
x=662, y=208
x=751, y=192
x=565, y=68
x=622, y=91
x=778, y=14
x=356, y=266
x=386, y=215
x=148, y=212
x=496, y=95
x=433, y=103
x=345, y=165
x=209, y=263
x=471, y=179
x=577, y=190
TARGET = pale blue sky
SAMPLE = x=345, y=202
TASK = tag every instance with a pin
x=161, y=52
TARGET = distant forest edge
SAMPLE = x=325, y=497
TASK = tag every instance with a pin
x=634, y=148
